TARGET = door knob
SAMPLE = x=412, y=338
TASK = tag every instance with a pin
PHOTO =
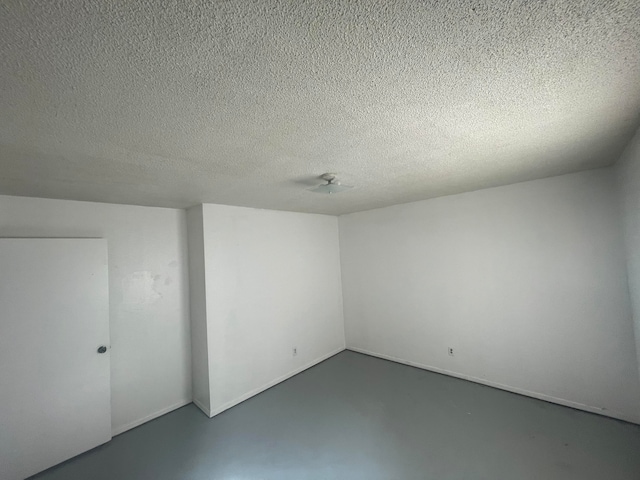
x=102, y=349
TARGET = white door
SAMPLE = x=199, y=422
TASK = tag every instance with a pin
x=55, y=399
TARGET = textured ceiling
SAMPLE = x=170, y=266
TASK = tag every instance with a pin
x=246, y=103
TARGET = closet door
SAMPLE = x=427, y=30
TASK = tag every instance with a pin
x=54, y=352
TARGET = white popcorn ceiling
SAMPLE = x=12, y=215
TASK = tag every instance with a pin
x=246, y=103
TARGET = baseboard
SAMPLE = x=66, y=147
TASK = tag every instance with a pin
x=129, y=426
x=508, y=388
x=201, y=406
x=272, y=383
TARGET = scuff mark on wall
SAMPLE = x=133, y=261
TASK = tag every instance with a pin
x=140, y=288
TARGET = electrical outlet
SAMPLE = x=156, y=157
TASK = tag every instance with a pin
x=451, y=351
x=295, y=351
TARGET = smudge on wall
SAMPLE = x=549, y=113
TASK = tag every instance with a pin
x=140, y=288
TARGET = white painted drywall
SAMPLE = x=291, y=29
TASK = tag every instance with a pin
x=198, y=309
x=527, y=283
x=628, y=174
x=273, y=284
x=149, y=311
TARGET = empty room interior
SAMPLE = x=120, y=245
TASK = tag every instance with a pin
x=348, y=239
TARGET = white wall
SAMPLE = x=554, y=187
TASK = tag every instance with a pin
x=628, y=173
x=272, y=283
x=526, y=282
x=197, y=296
x=149, y=313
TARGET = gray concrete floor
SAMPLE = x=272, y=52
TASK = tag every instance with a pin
x=358, y=417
